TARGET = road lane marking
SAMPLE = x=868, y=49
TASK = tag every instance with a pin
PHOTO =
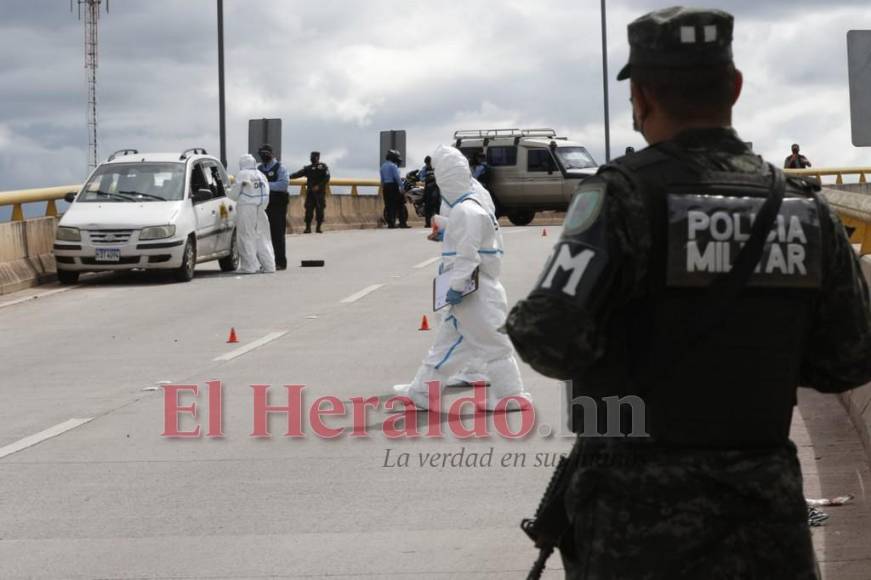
x=251, y=346
x=45, y=294
x=426, y=263
x=361, y=294
x=32, y=440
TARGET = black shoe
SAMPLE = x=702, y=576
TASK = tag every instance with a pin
x=427, y=225
x=308, y=230
x=319, y=230
x=391, y=226
x=284, y=267
x=405, y=226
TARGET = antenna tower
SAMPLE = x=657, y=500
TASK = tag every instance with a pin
x=91, y=10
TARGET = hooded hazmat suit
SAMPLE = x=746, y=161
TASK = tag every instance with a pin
x=251, y=193
x=468, y=334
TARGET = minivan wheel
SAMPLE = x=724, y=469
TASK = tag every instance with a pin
x=230, y=262
x=185, y=272
x=67, y=276
x=521, y=217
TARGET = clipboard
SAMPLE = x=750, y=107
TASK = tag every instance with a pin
x=442, y=283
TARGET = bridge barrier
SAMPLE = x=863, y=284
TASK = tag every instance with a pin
x=858, y=401
x=26, y=258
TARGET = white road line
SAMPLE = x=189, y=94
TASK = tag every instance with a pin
x=34, y=297
x=426, y=263
x=251, y=346
x=361, y=294
x=42, y=436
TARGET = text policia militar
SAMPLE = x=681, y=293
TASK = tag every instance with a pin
x=514, y=417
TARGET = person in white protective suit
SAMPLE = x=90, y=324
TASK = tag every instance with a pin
x=251, y=193
x=473, y=372
x=469, y=333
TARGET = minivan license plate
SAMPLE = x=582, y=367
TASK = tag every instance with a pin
x=108, y=254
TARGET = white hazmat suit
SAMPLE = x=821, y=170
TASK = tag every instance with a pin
x=469, y=333
x=251, y=192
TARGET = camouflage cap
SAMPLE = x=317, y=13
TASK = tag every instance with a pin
x=678, y=38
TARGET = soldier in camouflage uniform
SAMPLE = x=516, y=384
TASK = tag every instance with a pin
x=650, y=296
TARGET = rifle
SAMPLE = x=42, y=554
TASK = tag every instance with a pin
x=551, y=521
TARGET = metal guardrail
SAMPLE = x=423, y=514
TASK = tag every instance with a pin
x=858, y=222
x=51, y=195
x=837, y=172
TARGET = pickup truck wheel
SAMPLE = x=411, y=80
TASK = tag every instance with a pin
x=185, y=272
x=230, y=262
x=521, y=217
x=67, y=277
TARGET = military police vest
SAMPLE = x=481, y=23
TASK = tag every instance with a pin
x=736, y=387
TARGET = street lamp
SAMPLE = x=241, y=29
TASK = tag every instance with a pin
x=605, y=84
x=221, y=109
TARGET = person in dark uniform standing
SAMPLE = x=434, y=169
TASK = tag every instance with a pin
x=276, y=211
x=391, y=186
x=693, y=289
x=431, y=196
x=317, y=178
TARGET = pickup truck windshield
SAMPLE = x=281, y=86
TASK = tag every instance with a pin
x=136, y=182
x=575, y=158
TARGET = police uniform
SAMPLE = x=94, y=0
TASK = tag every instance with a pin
x=639, y=303
x=317, y=178
x=431, y=195
x=276, y=211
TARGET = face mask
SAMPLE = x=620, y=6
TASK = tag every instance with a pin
x=315, y=160
x=265, y=157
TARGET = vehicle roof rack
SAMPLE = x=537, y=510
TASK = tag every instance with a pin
x=192, y=151
x=122, y=153
x=494, y=133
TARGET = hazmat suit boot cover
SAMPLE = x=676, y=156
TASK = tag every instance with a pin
x=253, y=238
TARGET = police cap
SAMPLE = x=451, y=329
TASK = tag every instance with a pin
x=678, y=38
x=265, y=147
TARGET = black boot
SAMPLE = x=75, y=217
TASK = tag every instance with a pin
x=319, y=230
x=308, y=229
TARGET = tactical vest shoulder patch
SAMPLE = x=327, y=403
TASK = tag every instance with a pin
x=585, y=208
x=706, y=234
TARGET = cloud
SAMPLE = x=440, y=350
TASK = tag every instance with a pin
x=338, y=72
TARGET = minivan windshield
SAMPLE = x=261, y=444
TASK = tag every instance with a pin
x=575, y=158
x=137, y=182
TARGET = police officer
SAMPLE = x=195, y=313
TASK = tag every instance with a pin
x=796, y=160
x=391, y=186
x=317, y=176
x=431, y=195
x=693, y=289
x=276, y=174
x=481, y=170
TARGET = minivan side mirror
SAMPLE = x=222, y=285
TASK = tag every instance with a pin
x=201, y=195
x=70, y=197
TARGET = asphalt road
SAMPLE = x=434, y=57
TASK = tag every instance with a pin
x=89, y=487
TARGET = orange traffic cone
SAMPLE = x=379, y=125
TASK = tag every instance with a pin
x=424, y=323
x=232, y=339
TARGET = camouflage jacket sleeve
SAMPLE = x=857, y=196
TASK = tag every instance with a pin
x=838, y=354
x=598, y=264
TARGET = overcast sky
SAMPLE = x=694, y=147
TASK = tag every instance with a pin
x=340, y=71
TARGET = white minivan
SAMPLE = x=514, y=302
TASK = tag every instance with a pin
x=151, y=212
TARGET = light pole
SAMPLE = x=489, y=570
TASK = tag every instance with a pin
x=605, y=84
x=221, y=108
